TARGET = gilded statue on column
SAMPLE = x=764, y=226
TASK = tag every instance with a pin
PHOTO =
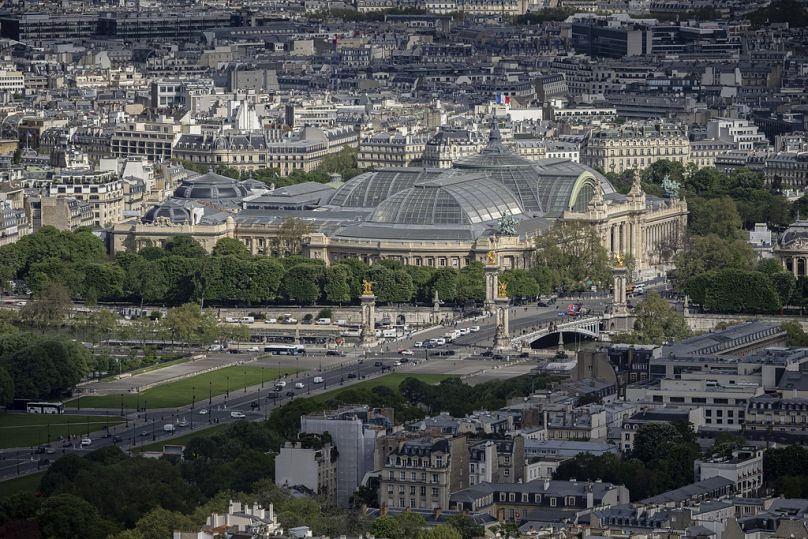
x=619, y=262
x=492, y=258
x=367, y=287
x=502, y=290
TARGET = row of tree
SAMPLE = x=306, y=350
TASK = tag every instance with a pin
x=136, y=498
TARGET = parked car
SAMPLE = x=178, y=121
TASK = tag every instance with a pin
x=418, y=344
x=332, y=353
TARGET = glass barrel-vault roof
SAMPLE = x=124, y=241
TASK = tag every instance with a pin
x=456, y=200
x=370, y=189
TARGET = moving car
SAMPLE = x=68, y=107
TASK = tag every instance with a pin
x=203, y=411
x=378, y=364
x=397, y=364
x=182, y=423
x=474, y=329
x=169, y=427
x=280, y=384
x=351, y=375
x=406, y=352
x=418, y=344
x=299, y=385
x=290, y=393
x=237, y=415
x=318, y=380
x=85, y=442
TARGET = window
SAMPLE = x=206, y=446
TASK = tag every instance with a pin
x=403, y=476
x=434, y=492
x=552, y=502
x=507, y=472
x=570, y=501
x=423, y=491
x=412, y=491
x=525, y=497
x=502, y=496
x=512, y=497
x=434, y=478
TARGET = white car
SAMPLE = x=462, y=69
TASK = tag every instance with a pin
x=85, y=442
x=280, y=383
x=203, y=411
x=318, y=380
x=418, y=344
x=397, y=364
x=253, y=349
x=407, y=353
x=299, y=385
x=474, y=329
x=237, y=415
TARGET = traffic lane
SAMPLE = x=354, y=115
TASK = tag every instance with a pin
x=147, y=427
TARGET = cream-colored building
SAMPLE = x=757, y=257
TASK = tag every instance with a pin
x=152, y=139
x=104, y=191
x=391, y=150
x=494, y=200
x=792, y=249
x=635, y=146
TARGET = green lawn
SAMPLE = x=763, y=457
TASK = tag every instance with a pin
x=25, y=430
x=392, y=380
x=184, y=439
x=181, y=392
x=26, y=483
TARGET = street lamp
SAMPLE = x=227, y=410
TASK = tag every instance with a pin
x=227, y=393
x=245, y=379
x=153, y=432
x=145, y=409
x=262, y=377
x=210, y=392
x=193, y=396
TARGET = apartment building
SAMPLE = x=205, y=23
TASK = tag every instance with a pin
x=742, y=134
x=422, y=473
x=744, y=467
x=661, y=415
x=310, y=465
x=724, y=404
x=635, y=146
x=353, y=432
x=104, y=191
x=241, y=150
x=449, y=145
x=391, y=150
x=306, y=152
x=65, y=213
x=787, y=170
x=514, y=501
x=154, y=140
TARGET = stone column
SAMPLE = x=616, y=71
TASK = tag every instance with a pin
x=620, y=278
x=794, y=266
x=368, y=306
x=491, y=281
x=502, y=335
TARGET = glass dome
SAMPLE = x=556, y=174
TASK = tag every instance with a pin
x=173, y=212
x=370, y=189
x=452, y=201
x=794, y=233
x=210, y=186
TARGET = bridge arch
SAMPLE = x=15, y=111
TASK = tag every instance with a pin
x=570, y=336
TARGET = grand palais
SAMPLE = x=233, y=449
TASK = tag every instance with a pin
x=494, y=200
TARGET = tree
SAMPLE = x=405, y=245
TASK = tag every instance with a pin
x=49, y=309
x=656, y=321
x=521, y=283
x=290, y=235
x=160, y=523
x=796, y=336
x=185, y=246
x=717, y=216
x=575, y=256
x=466, y=525
x=189, y=324
x=733, y=290
x=65, y=515
x=230, y=247
x=411, y=524
x=444, y=283
x=6, y=388
x=711, y=252
x=654, y=439
x=769, y=266
x=336, y=285
x=440, y=532
x=386, y=527
x=471, y=282
x=146, y=280
x=301, y=283
x=785, y=284
x=47, y=368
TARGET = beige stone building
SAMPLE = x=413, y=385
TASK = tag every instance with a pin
x=635, y=146
x=792, y=249
x=65, y=213
x=391, y=150
x=152, y=139
x=494, y=200
x=104, y=191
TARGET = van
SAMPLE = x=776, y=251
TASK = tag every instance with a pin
x=318, y=379
x=323, y=321
x=389, y=334
x=168, y=427
x=474, y=329
x=247, y=319
x=342, y=322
